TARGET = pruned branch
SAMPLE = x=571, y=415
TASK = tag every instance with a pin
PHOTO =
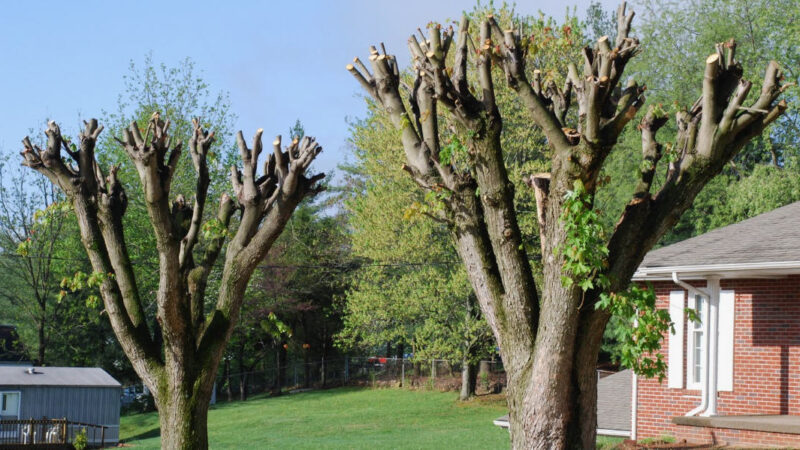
x=652, y=151
x=99, y=203
x=199, y=145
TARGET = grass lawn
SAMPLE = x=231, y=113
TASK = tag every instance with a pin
x=343, y=418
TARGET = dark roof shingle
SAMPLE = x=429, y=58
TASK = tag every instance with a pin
x=766, y=238
x=614, y=401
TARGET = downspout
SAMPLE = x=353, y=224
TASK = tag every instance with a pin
x=713, y=347
x=704, y=378
x=634, y=404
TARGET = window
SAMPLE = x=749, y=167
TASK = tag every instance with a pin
x=698, y=348
x=690, y=344
x=9, y=405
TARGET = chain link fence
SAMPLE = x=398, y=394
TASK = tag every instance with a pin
x=375, y=372
x=358, y=371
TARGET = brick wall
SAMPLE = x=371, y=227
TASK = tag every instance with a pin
x=766, y=368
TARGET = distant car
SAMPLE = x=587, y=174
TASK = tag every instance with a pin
x=378, y=361
x=130, y=394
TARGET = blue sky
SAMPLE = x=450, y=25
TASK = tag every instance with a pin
x=279, y=61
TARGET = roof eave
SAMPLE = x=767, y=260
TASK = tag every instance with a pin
x=701, y=271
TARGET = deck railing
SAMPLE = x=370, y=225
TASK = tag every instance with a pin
x=49, y=431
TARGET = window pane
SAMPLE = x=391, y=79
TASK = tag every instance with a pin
x=697, y=349
x=700, y=311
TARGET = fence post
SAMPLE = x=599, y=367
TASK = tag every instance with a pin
x=295, y=373
x=346, y=369
x=403, y=371
x=433, y=369
x=64, y=431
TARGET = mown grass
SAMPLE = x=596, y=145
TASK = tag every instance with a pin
x=351, y=418
x=344, y=418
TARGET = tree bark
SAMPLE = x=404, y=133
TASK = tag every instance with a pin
x=183, y=419
x=469, y=378
x=40, y=331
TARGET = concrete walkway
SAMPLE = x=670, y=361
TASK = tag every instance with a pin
x=771, y=423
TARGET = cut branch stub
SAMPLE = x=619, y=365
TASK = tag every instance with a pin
x=199, y=144
x=150, y=156
x=283, y=171
x=86, y=176
x=540, y=183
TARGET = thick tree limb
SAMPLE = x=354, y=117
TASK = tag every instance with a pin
x=84, y=189
x=199, y=145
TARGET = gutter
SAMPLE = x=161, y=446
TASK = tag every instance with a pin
x=634, y=403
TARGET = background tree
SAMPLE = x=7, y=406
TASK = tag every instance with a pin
x=289, y=312
x=181, y=371
x=410, y=291
x=550, y=342
x=33, y=228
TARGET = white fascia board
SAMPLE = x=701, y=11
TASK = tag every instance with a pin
x=741, y=270
x=616, y=433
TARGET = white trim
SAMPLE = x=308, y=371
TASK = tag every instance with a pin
x=602, y=431
x=675, y=341
x=689, y=271
x=617, y=433
x=727, y=340
x=501, y=423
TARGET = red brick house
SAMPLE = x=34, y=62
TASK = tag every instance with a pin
x=734, y=377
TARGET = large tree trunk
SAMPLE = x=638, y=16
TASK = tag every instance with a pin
x=183, y=419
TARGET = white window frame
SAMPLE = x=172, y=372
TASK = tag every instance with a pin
x=691, y=334
x=726, y=327
x=19, y=401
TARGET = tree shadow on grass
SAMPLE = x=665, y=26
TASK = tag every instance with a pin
x=151, y=433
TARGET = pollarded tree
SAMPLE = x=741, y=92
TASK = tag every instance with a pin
x=550, y=344
x=180, y=372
